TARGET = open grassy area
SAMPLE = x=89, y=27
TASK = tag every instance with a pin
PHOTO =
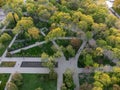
x=23, y=43
x=36, y=51
x=3, y=79
x=33, y=81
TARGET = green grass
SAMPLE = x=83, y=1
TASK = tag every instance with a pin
x=36, y=51
x=33, y=81
x=4, y=48
x=4, y=79
x=18, y=45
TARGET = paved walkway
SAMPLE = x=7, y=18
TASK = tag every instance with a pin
x=4, y=54
x=2, y=15
x=28, y=47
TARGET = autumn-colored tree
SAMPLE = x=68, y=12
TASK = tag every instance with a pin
x=34, y=32
x=103, y=78
x=100, y=15
x=111, y=20
x=116, y=5
x=2, y=2
x=17, y=79
x=11, y=19
x=45, y=9
x=98, y=27
x=85, y=86
x=14, y=6
x=24, y=24
x=55, y=33
x=99, y=51
x=116, y=69
x=31, y=8
x=5, y=37
x=11, y=86
x=97, y=88
x=76, y=17
x=88, y=19
x=116, y=53
x=116, y=87
x=75, y=43
x=83, y=25
x=71, y=4
x=61, y=17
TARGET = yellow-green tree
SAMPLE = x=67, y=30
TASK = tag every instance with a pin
x=12, y=17
x=116, y=5
x=57, y=32
x=24, y=24
x=34, y=32
x=2, y=2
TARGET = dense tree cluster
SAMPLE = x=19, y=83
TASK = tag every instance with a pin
x=15, y=82
x=84, y=19
x=68, y=81
x=116, y=5
x=102, y=81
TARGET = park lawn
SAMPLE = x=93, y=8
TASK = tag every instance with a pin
x=3, y=79
x=36, y=51
x=33, y=81
x=18, y=45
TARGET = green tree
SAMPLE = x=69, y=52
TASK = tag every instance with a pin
x=5, y=37
x=83, y=25
x=101, y=43
x=89, y=35
x=68, y=80
x=70, y=50
x=88, y=61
